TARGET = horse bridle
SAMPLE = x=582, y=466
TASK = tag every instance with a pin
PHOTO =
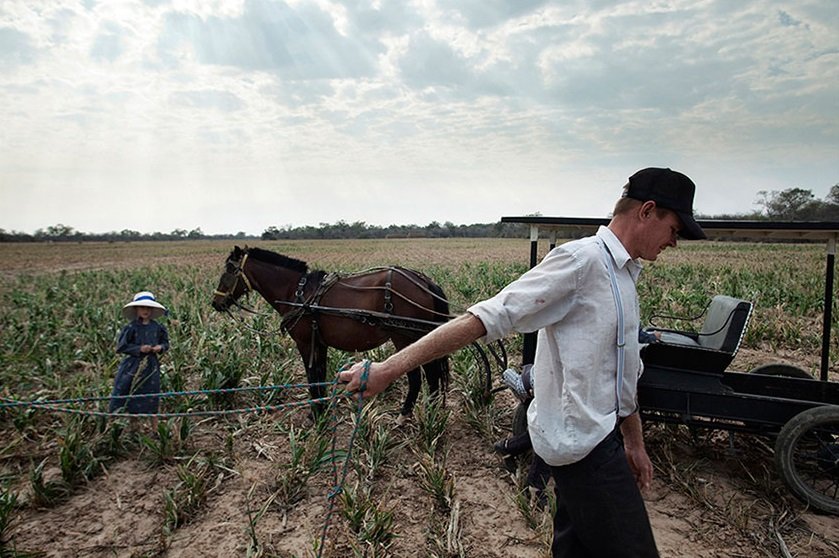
x=239, y=272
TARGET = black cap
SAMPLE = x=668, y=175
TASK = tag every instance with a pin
x=668, y=189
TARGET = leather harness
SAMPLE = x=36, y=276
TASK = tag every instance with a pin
x=310, y=305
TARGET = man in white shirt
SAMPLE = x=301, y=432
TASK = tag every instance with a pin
x=584, y=419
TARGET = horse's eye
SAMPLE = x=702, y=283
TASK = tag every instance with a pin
x=230, y=268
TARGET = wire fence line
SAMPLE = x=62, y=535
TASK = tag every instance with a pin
x=338, y=477
x=59, y=405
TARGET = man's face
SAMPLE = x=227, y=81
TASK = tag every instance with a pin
x=662, y=229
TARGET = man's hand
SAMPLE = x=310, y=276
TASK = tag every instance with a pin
x=375, y=383
x=641, y=465
x=636, y=452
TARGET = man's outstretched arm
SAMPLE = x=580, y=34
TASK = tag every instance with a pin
x=439, y=342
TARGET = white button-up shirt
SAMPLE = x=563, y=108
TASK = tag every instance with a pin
x=568, y=298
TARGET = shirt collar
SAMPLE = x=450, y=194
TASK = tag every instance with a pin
x=618, y=252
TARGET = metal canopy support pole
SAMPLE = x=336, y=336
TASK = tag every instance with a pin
x=528, y=351
x=828, y=306
x=534, y=244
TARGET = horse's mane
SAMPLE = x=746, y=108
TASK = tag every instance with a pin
x=278, y=259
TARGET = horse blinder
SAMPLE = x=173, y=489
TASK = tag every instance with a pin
x=224, y=295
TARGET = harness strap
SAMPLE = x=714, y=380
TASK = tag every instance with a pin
x=301, y=286
x=314, y=342
x=307, y=305
x=389, y=291
x=242, y=273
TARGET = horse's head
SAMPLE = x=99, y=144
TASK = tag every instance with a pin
x=233, y=284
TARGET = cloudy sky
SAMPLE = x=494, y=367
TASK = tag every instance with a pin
x=239, y=115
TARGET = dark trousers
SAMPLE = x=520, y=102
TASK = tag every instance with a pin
x=600, y=512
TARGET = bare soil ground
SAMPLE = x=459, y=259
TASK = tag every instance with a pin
x=712, y=496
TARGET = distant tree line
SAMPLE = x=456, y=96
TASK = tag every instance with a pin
x=798, y=204
x=792, y=204
x=64, y=233
x=360, y=229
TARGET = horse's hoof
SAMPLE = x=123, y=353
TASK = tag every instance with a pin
x=401, y=420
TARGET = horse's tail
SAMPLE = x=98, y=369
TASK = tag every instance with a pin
x=438, y=373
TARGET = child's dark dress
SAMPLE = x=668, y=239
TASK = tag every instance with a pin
x=128, y=381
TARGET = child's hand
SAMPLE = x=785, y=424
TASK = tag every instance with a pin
x=146, y=348
x=157, y=348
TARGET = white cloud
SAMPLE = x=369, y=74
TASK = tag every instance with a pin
x=300, y=43
x=247, y=114
x=16, y=48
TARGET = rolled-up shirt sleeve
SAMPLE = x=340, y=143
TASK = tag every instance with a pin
x=540, y=297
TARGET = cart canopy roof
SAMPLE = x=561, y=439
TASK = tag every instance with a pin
x=714, y=228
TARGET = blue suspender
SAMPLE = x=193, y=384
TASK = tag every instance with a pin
x=621, y=339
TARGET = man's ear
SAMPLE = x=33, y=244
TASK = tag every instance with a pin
x=646, y=210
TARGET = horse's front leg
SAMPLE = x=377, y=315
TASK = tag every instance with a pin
x=314, y=360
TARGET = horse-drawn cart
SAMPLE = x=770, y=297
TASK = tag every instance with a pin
x=686, y=378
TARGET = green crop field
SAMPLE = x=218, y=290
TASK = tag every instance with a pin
x=60, y=303
x=60, y=313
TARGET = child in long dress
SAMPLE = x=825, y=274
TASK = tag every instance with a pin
x=141, y=341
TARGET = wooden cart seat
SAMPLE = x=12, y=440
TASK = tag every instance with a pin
x=713, y=347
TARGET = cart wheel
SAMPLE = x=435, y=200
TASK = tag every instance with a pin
x=482, y=361
x=807, y=457
x=784, y=370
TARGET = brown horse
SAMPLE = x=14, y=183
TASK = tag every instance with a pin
x=355, y=312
